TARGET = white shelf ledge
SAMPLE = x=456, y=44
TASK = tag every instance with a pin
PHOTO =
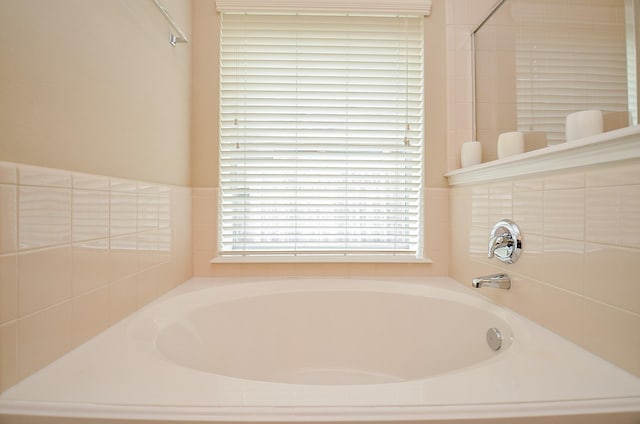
x=612, y=146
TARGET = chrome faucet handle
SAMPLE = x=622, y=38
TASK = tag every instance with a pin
x=497, y=242
x=505, y=241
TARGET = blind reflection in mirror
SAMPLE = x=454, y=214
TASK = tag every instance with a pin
x=538, y=61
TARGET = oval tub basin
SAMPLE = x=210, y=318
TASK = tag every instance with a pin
x=331, y=337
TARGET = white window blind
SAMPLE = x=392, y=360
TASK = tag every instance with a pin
x=321, y=134
x=565, y=64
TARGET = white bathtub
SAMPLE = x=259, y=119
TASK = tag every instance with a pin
x=326, y=350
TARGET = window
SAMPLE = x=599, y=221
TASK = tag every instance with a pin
x=321, y=134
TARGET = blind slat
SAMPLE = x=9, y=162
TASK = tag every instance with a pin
x=392, y=7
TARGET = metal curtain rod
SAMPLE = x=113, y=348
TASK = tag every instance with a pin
x=173, y=38
x=493, y=10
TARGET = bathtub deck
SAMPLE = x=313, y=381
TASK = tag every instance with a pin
x=540, y=375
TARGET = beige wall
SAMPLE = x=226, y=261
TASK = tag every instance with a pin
x=94, y=86
x=206, y=74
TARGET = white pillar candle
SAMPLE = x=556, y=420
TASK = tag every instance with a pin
x=510, y=143
x=471, y=153
x=583, y=124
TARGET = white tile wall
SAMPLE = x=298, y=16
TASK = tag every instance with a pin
x=79, y=252
x=578, y=274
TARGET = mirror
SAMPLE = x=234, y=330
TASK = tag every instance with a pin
x=535, y=62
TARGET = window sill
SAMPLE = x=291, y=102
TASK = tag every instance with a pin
x=270, y=259
x=609, y=147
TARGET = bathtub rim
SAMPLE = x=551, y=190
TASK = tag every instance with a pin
x=522, y=410
x=614, y=404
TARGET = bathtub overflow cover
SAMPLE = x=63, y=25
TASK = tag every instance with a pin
x=494, y=338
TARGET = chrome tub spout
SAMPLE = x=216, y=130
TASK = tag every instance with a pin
x=499, y=281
